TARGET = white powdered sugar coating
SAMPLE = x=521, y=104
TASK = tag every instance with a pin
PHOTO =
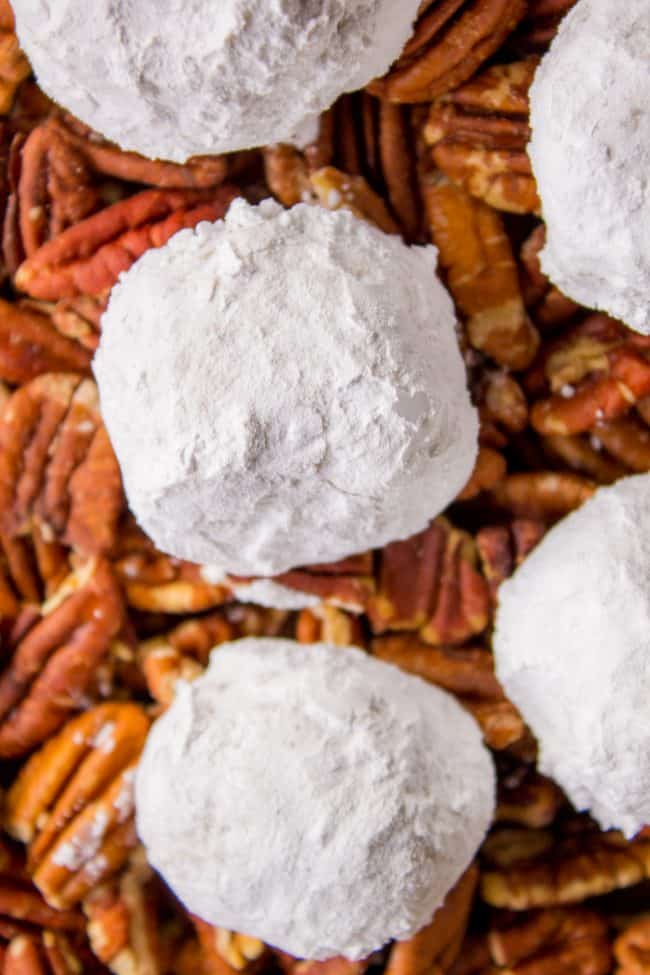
x=177, y=78
x=572, y=650
x=312, y=796
x=284, y=388
x=590, y=150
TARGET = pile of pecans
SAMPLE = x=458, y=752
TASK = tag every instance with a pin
x=97, y=626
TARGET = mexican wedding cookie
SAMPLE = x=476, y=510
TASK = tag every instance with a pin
x=178, y=78
x=284, y=387
x=590, y=150
x=313, y=797
x=572, y=648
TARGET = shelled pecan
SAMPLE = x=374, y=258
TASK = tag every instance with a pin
x=481, y=272
x=430, y=583
x=552, y=942
x=54, y=668
x=436, y=946
x=597, y=370
x=72, y=803
x=537, y=868
x=478, y=136
x=348, y=583
x=539, y=26
x=31, y=569
x=57, y=465
x=14, y=66
x=89, y=257
x=632, y=948
x=502, y=548
x=225, y=952
x=49, y=953
x=328, y=624
x=489, y=469
x=361, y=137
x=541, y=496
x=79, y=318
x=122, y=921
x=451, y=39
x=546, y=304
x=30, y=345
x=467, y=672
x=335, y=190
x=502, y=406
x=527, y=798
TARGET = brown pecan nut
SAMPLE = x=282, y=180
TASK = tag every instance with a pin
x=89, y=257
x=430, y=583
x=539, y=26
x=481, y=272
x=527, y=798
x=546, y=304
x=79, y=318
x=225, y=952
x=335, y=190
x=14, y=66
x=362, y=137
x=328, y=624
x=452, y=38
x=72, y=803
x=489, y=469
x=30, y=344
x=502, y=548
x=123, y=926
x=585, y=455
x=478, y=136
x=31, y=568
x=632, y=948
x=546, y=870
x=552, y=942
x=438, y=944
x=55, y=666
x=56, y=464
x=348, y=584
x=541, y=496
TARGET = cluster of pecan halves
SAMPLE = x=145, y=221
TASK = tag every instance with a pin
x=97, y=627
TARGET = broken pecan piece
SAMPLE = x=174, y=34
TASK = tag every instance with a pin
x=481, y=272
x=546, y=303
x=632, y=948
x=56, y=463
x=14, y=66
x=348, y=584
x=54, y=668
x=437, y=945
x=539, y=27
x=578, y=863
x=502, y=548
x=30, y=345
x=225, y=952
x=89, y=257
x=327, y=624
x=452, y=38
x=335, y=190
x=478, y=136
x=72, y=803
x=541, y=496
x=584, y=455
x=489, y=469
x=430, y=583
x=122, y=921
x=552, y=942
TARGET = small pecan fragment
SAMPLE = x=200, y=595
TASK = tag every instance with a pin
x=502, y=548
x=632, y=948
x=597, y=371
x=348, y=584
x=527, y=798
x=489, y=468
x=225, y=952
x=584, y=455
x=552, y=942
x=335, y=190
x=53, y=669
x=430, y=583
x=580, y=862
x=547, y=305
x=481, y=272
x=627, y=440
x=79, y=318
x=437, y=945
x=48, y=954
x=31, y=345
x=328, y=624
x=543, y=496
x=14, y=66
x=452, y=38
x=89, y=257
x=478, y=136
x=56, y=463
x=154, y=582
x=122, y=922
x=72, y=803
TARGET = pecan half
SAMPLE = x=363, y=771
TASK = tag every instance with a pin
x=57, y=464
x=89, y=257
x=438, y=944
x=14, y=66
x=452, y=38
x=541, y=496
x=72, y=803
x=430, y=583
x=122, y=920
x=481, y=272
x=552, y=942
x=478, y=136
x=30, y=345
x=534, y=868
x=53, y=669
x=632, y=948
